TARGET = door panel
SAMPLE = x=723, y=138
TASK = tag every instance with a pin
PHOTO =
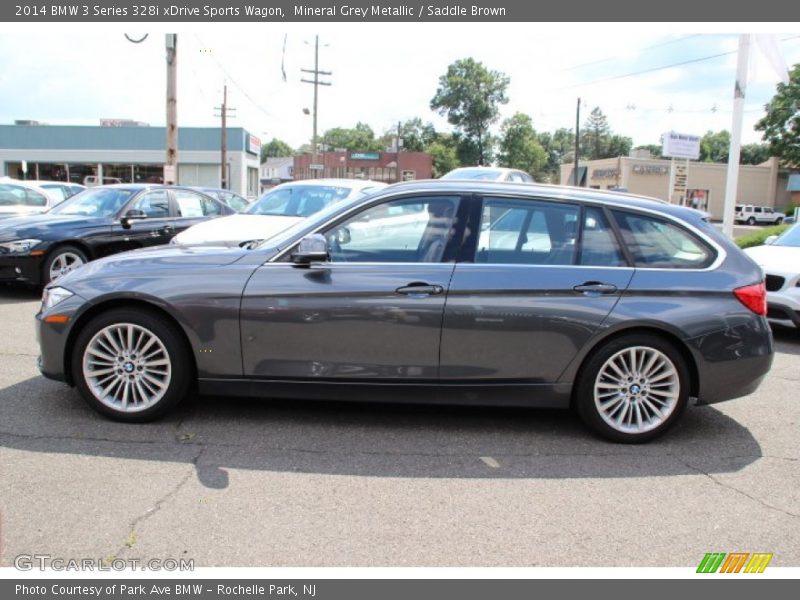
x=344, y=321
x=155, y=230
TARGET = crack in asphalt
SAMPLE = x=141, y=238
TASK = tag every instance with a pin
x=732, y=488
x=132, y=535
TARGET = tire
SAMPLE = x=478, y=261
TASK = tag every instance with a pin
x=779, y=221
x=138, y=387
x=751, y=221
x=609, y=405
x=62, y=260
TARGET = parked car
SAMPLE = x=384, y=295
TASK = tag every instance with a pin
x=489, y=174
x=752, y=215
x=100, y=221
x=277, y=209
x=779, y=257
x=626, y=316
x=93, y=180
x=19, y=198
x=61, y=190
x=232, y=199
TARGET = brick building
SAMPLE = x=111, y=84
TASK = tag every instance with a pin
x=388, y=167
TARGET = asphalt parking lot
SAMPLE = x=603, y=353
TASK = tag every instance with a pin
x=278, y=483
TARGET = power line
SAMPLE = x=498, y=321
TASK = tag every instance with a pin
x=233, y=80
x=602, y=60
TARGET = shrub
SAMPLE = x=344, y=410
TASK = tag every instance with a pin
x=757, y=237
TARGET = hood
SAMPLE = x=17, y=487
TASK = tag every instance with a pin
x=40, y=225
x=145, y=261
x=236, y=228
x=783, y=259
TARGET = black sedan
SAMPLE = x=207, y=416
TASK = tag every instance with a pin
x=443, y=291
x=37, y=249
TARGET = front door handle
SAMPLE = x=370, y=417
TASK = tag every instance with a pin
x=420, y=289
x=595, y=287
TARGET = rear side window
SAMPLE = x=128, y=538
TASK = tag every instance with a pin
x=526, y=232
x=599, y=246
x=194, y=205
x=660, y=244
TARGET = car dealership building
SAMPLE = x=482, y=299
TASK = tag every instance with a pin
x=128, y=153
x=763, y=185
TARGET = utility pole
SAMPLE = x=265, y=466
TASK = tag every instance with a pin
x=577, y=142
x=171, y=164
x=397, y=147
x=316, y=83
x=223, y=112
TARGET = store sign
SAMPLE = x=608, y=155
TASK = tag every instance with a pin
x=681, y=145
x=253, y=144
x=365, y=155
x=650, y=169
x=605, y=173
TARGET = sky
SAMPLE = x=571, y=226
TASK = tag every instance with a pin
x=383, y=73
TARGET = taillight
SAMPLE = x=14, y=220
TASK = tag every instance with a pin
x=753, y=297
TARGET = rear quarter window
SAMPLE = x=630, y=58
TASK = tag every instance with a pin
x=660, y=244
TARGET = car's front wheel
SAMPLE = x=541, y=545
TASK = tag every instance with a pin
x=633, y=388
x=61, y=261
x=751, y=221
x=131, y=365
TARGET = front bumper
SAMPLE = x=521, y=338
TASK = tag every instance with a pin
x=53, y=338
x=23, y=268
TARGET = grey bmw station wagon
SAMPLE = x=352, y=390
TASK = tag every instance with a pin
x=433, y=291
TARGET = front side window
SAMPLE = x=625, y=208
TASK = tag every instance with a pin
x=527, y=232
x=408, y=230
x=657, y=243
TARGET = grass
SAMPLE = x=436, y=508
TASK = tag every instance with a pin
x=757, y=237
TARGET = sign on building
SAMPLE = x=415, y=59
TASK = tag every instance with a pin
x=253, y=144
x=680, y=145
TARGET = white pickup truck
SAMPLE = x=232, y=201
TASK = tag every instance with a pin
x=750, y=214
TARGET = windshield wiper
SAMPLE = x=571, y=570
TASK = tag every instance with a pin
x=250, y=244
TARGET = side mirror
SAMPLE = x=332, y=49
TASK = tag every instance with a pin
x=312, y=248
x=132, y=215
x=771, y=239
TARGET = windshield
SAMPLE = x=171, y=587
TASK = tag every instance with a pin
x=791, y=237
x=97, y=202
x=483, y=174
x=297, y=200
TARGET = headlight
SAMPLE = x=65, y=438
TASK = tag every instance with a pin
x=54, y=295
x=19, y=246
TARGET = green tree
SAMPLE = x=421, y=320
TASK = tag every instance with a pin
x=445, y=155
x=559, y=147
x=754, y=154
x=416, y=135
x=275, y=147
x=470, y=96
x=596, y=136
x=781, y=124
x=360, y=138
x=715, y=147
x=654, y=149
x=520, y=147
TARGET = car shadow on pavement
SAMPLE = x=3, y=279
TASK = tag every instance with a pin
x=370, y=440
x=787, y=339
x=13, y=294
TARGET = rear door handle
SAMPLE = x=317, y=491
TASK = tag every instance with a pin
x=420, y=289
x=595, y=287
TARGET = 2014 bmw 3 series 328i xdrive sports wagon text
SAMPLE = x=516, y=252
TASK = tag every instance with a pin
x=443, y=291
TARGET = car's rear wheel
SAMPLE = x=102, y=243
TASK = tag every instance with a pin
x=633, y=388
x=61, y=261
x=131, y=365
x=779, y=221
